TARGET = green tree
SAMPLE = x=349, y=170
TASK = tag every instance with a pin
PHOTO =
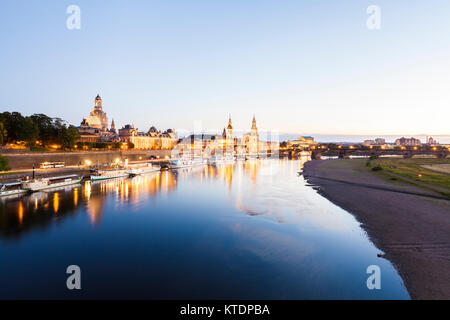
x=47, y=129
x=12, y=123
x=29, y=131
x=3, y=133
x=68, y=137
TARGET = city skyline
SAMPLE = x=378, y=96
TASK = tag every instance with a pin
x=301, y=68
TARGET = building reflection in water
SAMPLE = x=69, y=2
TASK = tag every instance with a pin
x=55, y=202
x=226, y=171
x=19, y=214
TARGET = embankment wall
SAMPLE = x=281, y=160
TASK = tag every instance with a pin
x=22, y=159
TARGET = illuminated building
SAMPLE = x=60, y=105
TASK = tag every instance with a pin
x=407, y=142
x=302, y=142
x=95, y=127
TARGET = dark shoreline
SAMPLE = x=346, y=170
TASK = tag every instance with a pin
x=410, y=225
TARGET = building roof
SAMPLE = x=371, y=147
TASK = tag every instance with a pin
x=230, y=126
x=87, y=127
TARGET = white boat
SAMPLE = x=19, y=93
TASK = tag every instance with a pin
x=134, y=170
x=45, y=183
x=109, y=174
x=184, y=163
x=4, y=192
x=221, y=160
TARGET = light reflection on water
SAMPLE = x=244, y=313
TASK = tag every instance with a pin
x=250, y=230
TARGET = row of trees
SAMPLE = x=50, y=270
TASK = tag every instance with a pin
x=36, y=128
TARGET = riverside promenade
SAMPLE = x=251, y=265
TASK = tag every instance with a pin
x=24, y=159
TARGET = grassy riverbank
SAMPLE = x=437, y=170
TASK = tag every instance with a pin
x=418, y=172
x=7, y=173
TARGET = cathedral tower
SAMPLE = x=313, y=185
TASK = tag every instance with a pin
x=253, y=139
x=229, y=137
x=97, y=118
x=98, y=103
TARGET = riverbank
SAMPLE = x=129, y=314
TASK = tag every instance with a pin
x=411, y=225
x=8, y=177
x=20, y=159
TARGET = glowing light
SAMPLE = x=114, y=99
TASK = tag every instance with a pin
x=75, y=197
x=56, y=202
x=87, y=190
x=20, y=212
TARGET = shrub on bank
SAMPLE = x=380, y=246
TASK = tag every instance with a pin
x=4, y=163
x=377, y=168
x=37, y=148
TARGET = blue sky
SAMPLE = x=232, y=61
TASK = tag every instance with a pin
x=301, y=66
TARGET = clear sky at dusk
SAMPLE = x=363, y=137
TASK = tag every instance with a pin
x=301, y=66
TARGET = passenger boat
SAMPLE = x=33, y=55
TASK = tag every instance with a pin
x=221, y=160
x=135, y=170
x=5, y=191
x=48, y=183
x=184, y=163
x=109, y=174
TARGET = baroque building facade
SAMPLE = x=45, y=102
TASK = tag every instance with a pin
x=97, y=118
x=151, y=140
x=94, y=128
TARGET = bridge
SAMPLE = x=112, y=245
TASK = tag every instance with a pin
x=344, y=152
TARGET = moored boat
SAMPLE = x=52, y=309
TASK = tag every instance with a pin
x=218, y=160
x=109, y=174
x=135, y=170
x=184, y=163
x=5, y=191
x=48, y=183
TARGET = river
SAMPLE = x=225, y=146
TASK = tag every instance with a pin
x=253, y=230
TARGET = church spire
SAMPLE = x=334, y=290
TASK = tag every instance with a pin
x=230, y=125
x=254, y=122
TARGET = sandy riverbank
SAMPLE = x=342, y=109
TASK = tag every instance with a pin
x=411, y=225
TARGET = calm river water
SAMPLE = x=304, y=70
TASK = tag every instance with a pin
x=255, y=230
